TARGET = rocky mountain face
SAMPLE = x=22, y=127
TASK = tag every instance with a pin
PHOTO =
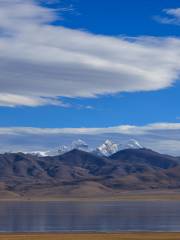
x=80, y=173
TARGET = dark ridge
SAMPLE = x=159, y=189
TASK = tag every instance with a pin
x=78, y=172
x=146, y=156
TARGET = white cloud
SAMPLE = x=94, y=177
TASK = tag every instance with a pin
x=43, y=62
x=162, y=137
x=12, y=100
x=123, y=129
x=172, y=16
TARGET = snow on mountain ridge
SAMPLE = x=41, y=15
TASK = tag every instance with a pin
x=108, y=147
x=105, y=149
x=133, y=143
x=79, y=144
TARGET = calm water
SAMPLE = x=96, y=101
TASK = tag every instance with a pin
x=96, y=216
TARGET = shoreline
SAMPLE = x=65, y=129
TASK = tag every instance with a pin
x=92, y=236
x=146, y=196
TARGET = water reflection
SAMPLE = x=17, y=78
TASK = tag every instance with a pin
x=95, y=216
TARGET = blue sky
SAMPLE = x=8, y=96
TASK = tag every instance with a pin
x=89, y=64
x=132, y=109
x=131, y=17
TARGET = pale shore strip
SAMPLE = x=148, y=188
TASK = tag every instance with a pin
x=128, y=197
x=91, y=236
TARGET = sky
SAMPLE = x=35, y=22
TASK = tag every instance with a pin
x=89, y=69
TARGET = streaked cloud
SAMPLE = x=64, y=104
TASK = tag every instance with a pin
x=171, y=16
x=124, y=129
x=162, y=137
x=40, y=62
x=12, y=100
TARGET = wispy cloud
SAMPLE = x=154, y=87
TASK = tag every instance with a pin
x=44, y=62
x=170, y=16
x=12, y=100
x=123, y=129
x=162, y=137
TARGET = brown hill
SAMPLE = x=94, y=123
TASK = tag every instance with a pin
x=79, y=173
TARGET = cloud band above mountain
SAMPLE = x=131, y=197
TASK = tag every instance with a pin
x=162, y=137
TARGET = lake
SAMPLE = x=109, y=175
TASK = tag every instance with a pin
x=90, y=216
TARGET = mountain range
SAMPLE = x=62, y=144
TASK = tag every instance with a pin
x=105, y=149
x=78, y=173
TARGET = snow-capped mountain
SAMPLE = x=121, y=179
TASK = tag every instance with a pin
x=132, y=143
x=107, y=148
x=80, y=144
x=63, y=149
x=52, y=152
x=38, y=153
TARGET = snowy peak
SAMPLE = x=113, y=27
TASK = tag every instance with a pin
x=38, y=153
x=107, y=148
x=133, y=143
x=79, y=144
